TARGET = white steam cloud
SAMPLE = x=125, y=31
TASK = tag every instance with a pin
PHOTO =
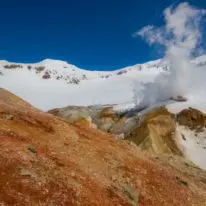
x=181, y=38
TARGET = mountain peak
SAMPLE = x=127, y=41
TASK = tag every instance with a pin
x=55, y=83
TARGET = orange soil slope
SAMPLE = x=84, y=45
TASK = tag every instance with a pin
x=46, y=161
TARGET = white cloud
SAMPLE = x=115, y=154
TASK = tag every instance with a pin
x=180, y=36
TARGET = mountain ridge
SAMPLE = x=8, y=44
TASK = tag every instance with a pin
x=52, y=83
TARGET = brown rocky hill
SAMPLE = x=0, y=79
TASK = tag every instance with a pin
x=156, y=132
x=45, y=160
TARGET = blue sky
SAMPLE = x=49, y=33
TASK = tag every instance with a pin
x=92, y=34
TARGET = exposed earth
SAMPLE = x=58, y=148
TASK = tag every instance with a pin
x=45, y=160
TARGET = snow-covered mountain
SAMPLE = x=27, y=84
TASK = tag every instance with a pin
x=70, y=74
x=51, y=83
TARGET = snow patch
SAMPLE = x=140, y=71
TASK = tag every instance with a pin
x=193, y=144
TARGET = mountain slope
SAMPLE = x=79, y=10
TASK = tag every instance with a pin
x=50, y=162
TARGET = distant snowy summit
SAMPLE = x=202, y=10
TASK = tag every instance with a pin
x=70, y=74
x=52, y=83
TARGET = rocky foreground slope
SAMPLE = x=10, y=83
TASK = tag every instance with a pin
x=156, y=130
x=44, y=160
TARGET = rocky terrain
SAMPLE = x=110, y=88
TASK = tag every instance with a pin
x=155, y=130
x=45, y=160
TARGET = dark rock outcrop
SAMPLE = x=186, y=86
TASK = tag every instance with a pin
x=192, y=118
